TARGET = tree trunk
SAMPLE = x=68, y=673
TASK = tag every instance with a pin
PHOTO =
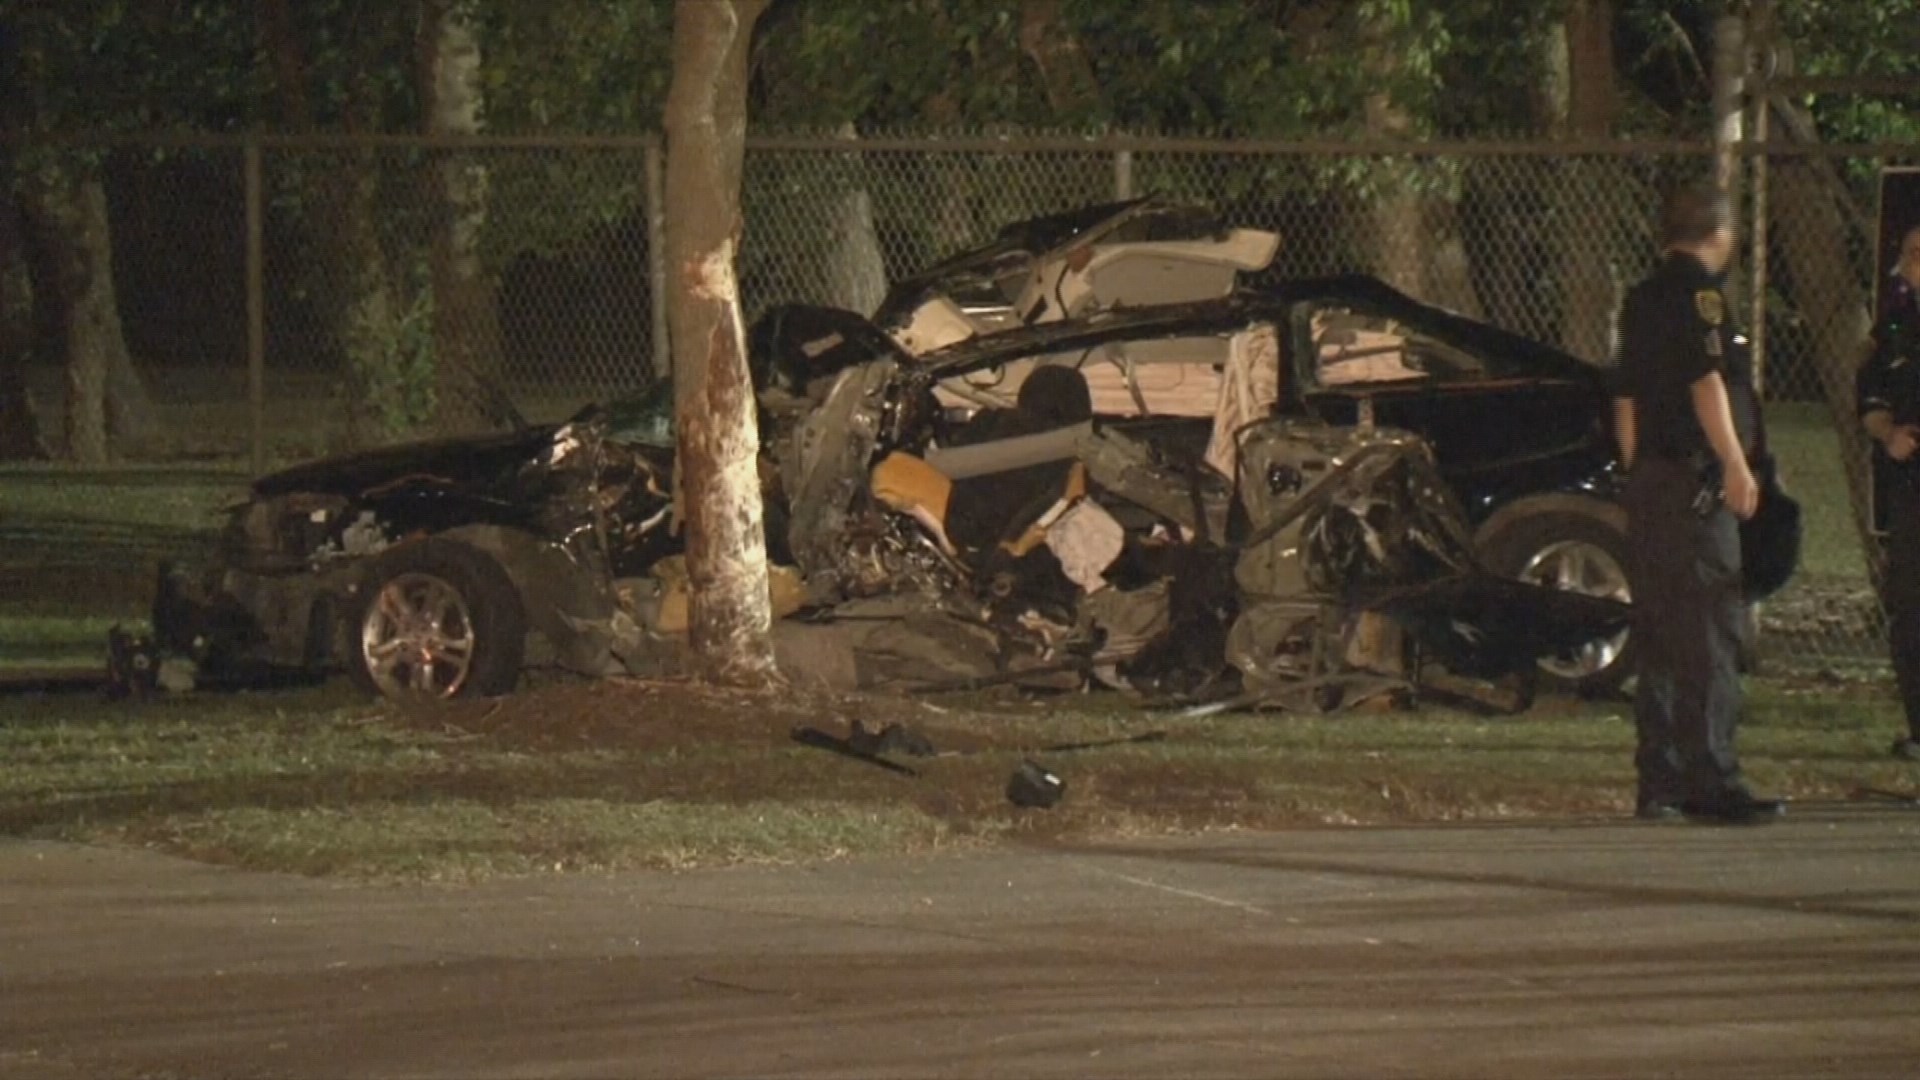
x=1073, y=92
x=1416, y=241
x=466, y=313
x=856, y=269
x=1587, y=286
x=706, y=123
x=19, y=427
x=377, y=383
x=66, y=216
x=952, y=183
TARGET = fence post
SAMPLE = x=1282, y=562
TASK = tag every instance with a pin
x=657, y=259
x=1122, y=175
x=256, y=310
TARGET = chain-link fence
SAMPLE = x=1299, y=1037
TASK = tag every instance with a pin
x=535, y=263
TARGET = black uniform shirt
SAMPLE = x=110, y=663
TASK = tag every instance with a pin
x=1674, y=331
x=1890, y=379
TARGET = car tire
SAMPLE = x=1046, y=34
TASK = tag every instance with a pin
x=1570, y=545
x=436, y=619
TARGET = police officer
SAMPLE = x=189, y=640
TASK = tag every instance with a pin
x=1688, y=481
x=1889, y=401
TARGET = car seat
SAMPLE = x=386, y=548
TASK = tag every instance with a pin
x=1004, y=472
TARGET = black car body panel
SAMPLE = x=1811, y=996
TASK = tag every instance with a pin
x=476, y=463
x=563, y=508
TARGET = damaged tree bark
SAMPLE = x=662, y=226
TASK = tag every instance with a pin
x=719, y=444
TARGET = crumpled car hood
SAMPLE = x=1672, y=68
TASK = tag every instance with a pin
x=480, y=460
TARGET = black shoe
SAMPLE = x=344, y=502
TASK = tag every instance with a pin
x=1656, y=810
x=1736, y=807
x=1907, y=750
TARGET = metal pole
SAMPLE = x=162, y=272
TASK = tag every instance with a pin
x=657, y=259
x=256, y=310
x=1122, y=175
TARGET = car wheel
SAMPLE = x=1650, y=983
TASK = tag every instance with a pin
x=1580, y=550
x=436, y=619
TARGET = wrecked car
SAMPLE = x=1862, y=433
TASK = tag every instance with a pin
x=1019, y=470
x=1519, y=427
x=1518, y=430
x=1225, y=550
x=969, y=517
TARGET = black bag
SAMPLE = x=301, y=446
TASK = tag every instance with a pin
x=1770, y=540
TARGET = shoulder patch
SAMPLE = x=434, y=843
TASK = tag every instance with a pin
x=1711, y=307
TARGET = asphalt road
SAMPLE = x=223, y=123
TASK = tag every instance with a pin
x=1584, y=949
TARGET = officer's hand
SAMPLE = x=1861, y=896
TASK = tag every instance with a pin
x=1742, y=494
x=1903, y=441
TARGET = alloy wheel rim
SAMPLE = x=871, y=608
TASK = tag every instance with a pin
x=417, y=639
x=1582, y=567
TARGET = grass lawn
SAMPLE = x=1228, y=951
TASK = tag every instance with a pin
x=78, y=548
x=624, y=774
x=627, y=774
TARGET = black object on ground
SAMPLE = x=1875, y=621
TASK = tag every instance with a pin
x=892, y=739
x=1035, y=786
x=1098, y=744
x=820, y=740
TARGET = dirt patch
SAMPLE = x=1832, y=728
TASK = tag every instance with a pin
x=1126, y=771
x=699, y=743
x=663, y=715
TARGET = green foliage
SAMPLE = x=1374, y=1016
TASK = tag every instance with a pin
x=590, y=66
x=1260, y=67
x=393, y=359
x=1858, y=37
x=909, y=63
x=121, y=65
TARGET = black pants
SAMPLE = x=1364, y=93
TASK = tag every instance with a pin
x=1688, y=622
x=1900, y=592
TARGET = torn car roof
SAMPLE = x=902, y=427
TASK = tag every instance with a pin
x=1266, y=303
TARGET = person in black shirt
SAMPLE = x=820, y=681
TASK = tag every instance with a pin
x=1889, y=402
x=1675, y=407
